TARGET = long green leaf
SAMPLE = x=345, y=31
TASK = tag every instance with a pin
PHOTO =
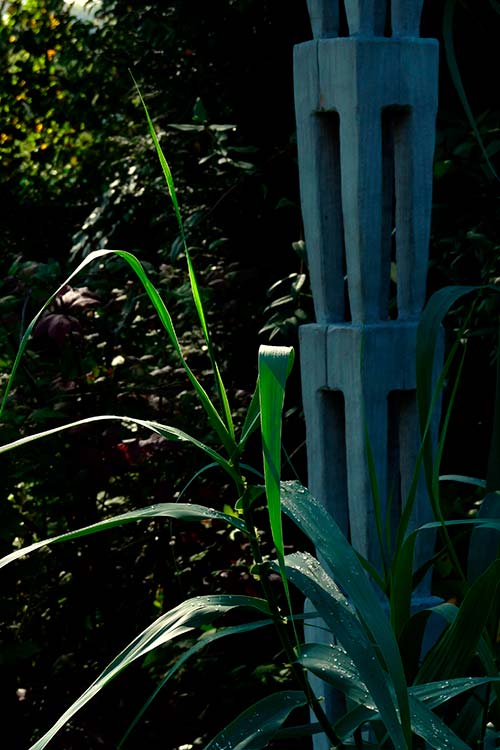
x=274, y=366
x=170, y=433
x=255, y=727
x=184, y=511
x=227, y=437
x=192, y=276
x=158, y=304
x=180, y=620
x=403, y=569
x=204, y=641
x=336, y=552
x=275, y=363
x=332, y=606
x=430, y=695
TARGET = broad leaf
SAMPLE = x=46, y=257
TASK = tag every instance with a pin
x=333, y=665
x=332, y=606
x=341, y=559
x=256, y=726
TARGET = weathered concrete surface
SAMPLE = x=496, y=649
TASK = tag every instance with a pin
x=366, y=107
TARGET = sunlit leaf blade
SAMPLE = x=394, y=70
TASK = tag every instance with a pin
x=160, y=308
x=192, y=276
x=275, y=363
x=227, y=437
x=332, y=606
x=180, y=620
x=255, y=727
x=338, y=555
x=170, y=433
x=205, y=640
x=183, y=511
x=274, y=366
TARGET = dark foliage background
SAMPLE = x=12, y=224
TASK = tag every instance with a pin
x=77, y=172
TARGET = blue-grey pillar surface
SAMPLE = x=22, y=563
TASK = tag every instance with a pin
x=366, y=107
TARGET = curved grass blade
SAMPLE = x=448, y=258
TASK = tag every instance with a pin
x=430, y=696
x=448, y=15
x=377, y=505
x=343, y=562
x=205, y=640
x=402, y=572
x=182, y=511
x=170, y=433
x=226, y=433
x=428, y=333
x=332, y=606
x=180, y=620
x=493, y=471
x=473, y=481
x=484, y=542
x=158, y=304
x=451, y=656
x=192, y=276
x=195, y=476
x=24, y=340
x=432, y=729
x=255, y=727
x=251, y=418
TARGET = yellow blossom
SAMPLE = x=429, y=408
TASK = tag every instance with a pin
x=39, y=127
x=51, y=53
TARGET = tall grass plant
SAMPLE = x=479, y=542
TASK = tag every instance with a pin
x=374, y=654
